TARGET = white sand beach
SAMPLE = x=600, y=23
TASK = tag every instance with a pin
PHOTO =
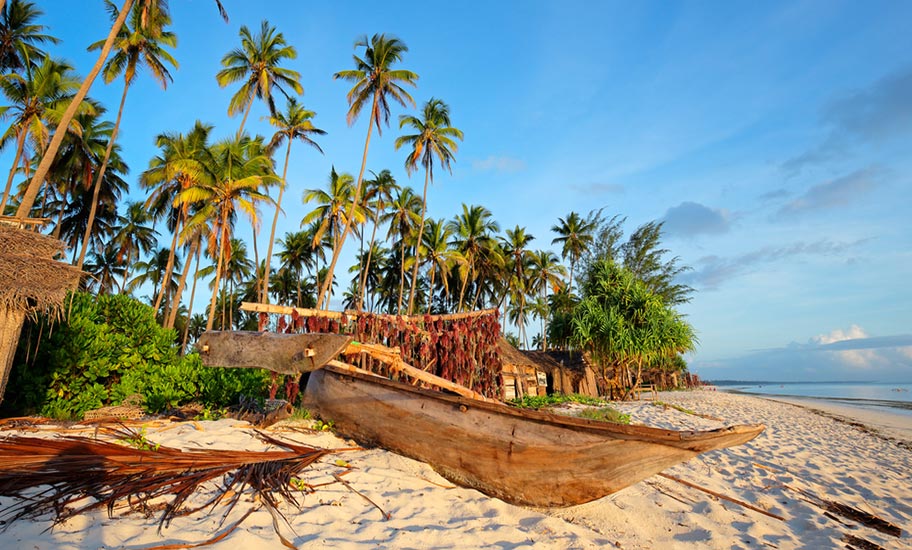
x=801, y=457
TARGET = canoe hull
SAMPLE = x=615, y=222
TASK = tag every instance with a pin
x=522, y=457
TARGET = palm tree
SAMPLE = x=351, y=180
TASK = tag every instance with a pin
x=433, y=139
x=379, y=192
x=31, y=192
x=518, y=257
x=234, y=172
x=539, y=308
x=179, y=166
x=104, y=268
x=238, y=269
x=472, y=238
x=256, y=65
x=576, y=236
x=296, y=254
x=138, y=46
x=196, y=277
x=402, y=218
x=376, y=81
x=545, y=272
x=332, y=210
x=440, y=257
x=196, y=240
x=36, y=98
x=370, y=277
x=293, y=124
x=132, y=235
x=152, y=270
x=151, y=9
x=79, y=161
x=20, y=36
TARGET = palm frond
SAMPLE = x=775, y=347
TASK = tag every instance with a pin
x=74, y=475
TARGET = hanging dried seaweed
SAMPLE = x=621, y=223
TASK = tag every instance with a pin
x=462, y=348
x=68, y=476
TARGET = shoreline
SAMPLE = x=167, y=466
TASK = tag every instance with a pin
x=880, y=422
x=860, y=402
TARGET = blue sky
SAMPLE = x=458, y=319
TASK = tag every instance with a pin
x=774, y=140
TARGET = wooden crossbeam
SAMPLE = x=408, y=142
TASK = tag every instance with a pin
x=353, y=314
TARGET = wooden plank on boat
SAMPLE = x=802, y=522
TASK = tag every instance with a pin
x=281, y=353
x=393, y=360
x=352, y=314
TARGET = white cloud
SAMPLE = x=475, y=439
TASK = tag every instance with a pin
x=840, y=354
x=499, y=164
x=692, y=218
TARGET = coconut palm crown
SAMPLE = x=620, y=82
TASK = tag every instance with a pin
x=256, y=65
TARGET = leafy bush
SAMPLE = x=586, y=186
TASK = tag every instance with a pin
x=605, y=414
x=108, y=348
x=542, y=401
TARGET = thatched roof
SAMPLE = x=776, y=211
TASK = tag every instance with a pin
x=576, y=361
x=29, y=278
x=20, y=241
x=512, y=356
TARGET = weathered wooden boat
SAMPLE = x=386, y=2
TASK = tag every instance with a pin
x=517, y=455
x=520, y=456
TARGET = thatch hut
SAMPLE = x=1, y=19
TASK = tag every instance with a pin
x=521, y=375
x=31, y=281
x=568, y=372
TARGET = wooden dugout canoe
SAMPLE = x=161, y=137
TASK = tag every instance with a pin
x=520, y=456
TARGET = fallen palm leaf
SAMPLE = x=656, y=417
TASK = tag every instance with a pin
x=71, y=475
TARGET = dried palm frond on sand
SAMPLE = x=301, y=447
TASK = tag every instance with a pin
x=71, y=475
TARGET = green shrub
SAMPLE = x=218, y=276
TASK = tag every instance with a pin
x=108, y=348
x=542, y=401
x=605, y=414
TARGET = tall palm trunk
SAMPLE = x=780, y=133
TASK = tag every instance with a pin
x=324, y=289
x=431, y=291
x=370, y=252
x=20, y=146
x=401, y=274
x=218, y=271
x=244, y=119
x=545, y=321
x=192, y=296
x=169, y=266
x=31, y=192
x=264, y=293
x=256, y=254
x=126, y=274
x=570, y=284
x=100, y=176
x=462, y=290
x=427, y=173
x=180, y=286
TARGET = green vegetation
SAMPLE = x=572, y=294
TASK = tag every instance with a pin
x=139, y=440
x=605, y=414
x=543, y=401
x=598, y=411
x=625, y=325
x=109, y=348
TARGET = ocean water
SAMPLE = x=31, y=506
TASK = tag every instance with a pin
x=891, y=395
